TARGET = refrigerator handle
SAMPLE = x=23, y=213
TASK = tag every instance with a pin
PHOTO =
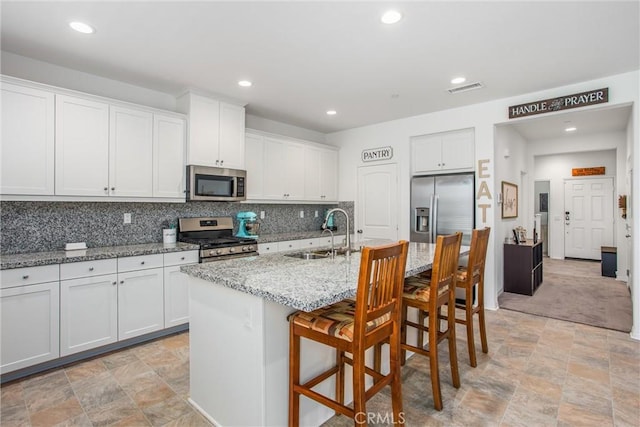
x=435, y=218
x=431, y=213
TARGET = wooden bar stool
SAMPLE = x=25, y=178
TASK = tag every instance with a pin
x=353, y=326
x=428, y=295
x=468, y=277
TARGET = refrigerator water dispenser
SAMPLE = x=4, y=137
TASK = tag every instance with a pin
x=422, y=219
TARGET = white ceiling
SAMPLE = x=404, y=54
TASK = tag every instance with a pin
x=307, y=57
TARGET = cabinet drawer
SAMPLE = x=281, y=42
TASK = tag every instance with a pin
x=267, y=248
x=142, y=262
x=289, y=245
x=29, y=275
x=179, y=258
x=87, y=268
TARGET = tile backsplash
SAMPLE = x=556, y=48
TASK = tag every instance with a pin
x=46, y=226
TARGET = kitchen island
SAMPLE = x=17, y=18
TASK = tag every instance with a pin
x=239, y=333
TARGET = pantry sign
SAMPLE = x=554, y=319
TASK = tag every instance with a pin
x=576, y=100
x=374, y=154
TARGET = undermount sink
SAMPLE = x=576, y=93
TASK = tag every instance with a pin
x=318, y=254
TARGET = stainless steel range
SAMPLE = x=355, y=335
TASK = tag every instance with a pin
x=215, y=237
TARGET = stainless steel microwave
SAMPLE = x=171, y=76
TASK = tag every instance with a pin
x=205, y=183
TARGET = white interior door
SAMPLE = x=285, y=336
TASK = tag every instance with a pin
x=377, y=202
x=588, y=209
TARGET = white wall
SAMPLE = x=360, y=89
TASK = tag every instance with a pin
x=54, y=75
x=624, y=88
x=278, y=128
x=510, y=166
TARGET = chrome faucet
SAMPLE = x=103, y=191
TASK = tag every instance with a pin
x=333, y=248
x=324, y=226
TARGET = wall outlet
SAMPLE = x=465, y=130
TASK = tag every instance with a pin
x=261, y=214
x=315, y=214
x=127, y=218
x=301, y=214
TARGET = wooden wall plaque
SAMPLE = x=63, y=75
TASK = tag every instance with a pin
x=599, y=170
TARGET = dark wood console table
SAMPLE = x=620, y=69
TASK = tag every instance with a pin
x=522, y=267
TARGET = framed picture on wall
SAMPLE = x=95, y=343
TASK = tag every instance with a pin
x=544, y=202
x=509, y=200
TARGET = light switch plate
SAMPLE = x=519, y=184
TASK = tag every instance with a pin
x=127, y=218
x=301, y=214
x=261, y=214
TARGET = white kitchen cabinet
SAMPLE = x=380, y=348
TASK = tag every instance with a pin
x=443, y=152
x=140, y=302
x=176, y=287
x=82, y=147
x=168, y=157
x=289, y=245
x=216, y=132
x=320, y=174
x=88, y=313
x=130, y=149
x=255, y=165
x=284, y=170
x=27, y=141
x=29, y=324
x=267, y=248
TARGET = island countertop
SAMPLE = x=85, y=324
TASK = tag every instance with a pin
x=298, y=283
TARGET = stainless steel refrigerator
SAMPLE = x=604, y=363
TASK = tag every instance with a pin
x=442, y=204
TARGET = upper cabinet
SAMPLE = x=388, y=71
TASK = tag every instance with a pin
x=72, y=146
x=27, y=141
x=82, y=147
x=216, y=132
x=443, y=152
x=280, y=169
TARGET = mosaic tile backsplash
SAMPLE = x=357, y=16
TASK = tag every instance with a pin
x=46, y=226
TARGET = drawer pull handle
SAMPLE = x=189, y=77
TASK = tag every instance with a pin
x=90, y=268
x=25, y=277
x=114, y=283
x=122, y=282
x=142, y=263
x=182, y=258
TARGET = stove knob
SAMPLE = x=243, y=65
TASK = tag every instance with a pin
x=218, y=252
x=232, y=250
x=245, y=248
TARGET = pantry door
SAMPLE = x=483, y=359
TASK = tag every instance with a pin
x=377, y=202
x=588, y=217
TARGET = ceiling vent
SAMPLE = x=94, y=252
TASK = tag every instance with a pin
x=465, y=88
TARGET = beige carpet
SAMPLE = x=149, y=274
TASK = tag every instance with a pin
x=574, y=290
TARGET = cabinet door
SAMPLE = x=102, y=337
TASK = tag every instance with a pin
x=458, y=150
x=140, y=302
x=275, y=163
x=27, y=141
x=168, y=157
x=232, y=144
x=204, y=128
x=82, y=147
x=426, y=154
x=312, y=173
x=294, y=171
x=130, y=153
x=88, y=313
x=329, y=175
x=30, y=325
x=255, y=164
x=176, y=297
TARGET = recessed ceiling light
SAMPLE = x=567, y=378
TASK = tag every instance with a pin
x=571, y=129
x=458, y=80
x=244, y=83
x=332, y=113
x=391, y=17
x=81, y=27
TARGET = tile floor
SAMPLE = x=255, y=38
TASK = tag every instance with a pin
x=539, y=372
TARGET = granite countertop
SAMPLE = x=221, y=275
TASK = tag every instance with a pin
x=281, y=237
x=301, y=284
x=33, y=259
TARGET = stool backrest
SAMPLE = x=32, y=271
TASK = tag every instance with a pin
x=477, y=257
x=380, y=283
x=445, y=265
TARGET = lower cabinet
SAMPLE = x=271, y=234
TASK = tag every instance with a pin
x=140, y=302
x=29, y=325
x=176, y=297
x=88, y=313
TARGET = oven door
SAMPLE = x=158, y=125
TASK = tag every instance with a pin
x=215, y=184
